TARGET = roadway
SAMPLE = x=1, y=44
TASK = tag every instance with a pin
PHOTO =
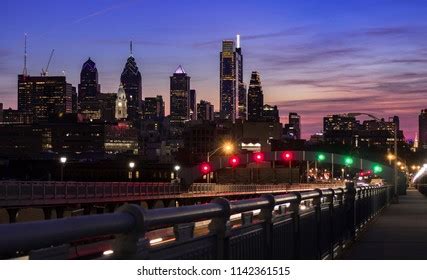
x=400, y=232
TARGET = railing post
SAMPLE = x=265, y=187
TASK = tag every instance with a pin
x=220, y=226
x=127, y=245
x=317, y=203
x=267, y=215
x=349, y=208
x=294, y=207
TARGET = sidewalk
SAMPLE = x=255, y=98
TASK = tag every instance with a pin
x=399, y=232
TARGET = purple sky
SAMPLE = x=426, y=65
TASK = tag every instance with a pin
x=315, y=57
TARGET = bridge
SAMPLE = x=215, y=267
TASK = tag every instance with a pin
x=192, y=220
x=299, y=225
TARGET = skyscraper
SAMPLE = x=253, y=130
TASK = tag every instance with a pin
x=132, y=84
x=121, y=104
x=422, y=129
x=255, y=98
x=179, y=96
x=242, y=91
x=292, y=129
x=44, y=96
x=193, y=104
x=154, y=108
x=205, y=111
x=270, y=113
x=89, y=86
x=230, y=72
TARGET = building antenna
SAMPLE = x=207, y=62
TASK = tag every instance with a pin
x=238, y=41
x=24, y=71
x=131, y=50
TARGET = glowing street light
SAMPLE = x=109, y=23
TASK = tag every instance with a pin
x=63, y=161
x=177, y=168
x=131, y=165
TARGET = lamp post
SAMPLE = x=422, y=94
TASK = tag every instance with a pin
x=63, y=161
x=177, y=168
x=131, y=167
x=227, y=147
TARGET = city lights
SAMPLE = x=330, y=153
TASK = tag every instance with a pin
x=131, y=165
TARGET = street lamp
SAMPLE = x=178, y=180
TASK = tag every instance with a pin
x=227, y=148
x=131, y=167
x=63, y=161
x=177, y=168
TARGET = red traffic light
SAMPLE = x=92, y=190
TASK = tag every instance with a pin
x=287, y=156
x=234, y=161
x=258, y=157
x=205, y=168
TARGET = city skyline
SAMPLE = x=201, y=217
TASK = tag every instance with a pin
x=309, y=64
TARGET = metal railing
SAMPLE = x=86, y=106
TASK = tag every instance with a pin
x=27, y=193
x=299, y=225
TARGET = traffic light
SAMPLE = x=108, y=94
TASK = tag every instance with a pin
x=234, y=161
x=287, y=156
x=205, y=168
x=321, y=157
x=258, y=157
x=378, y=169
x=348, y=161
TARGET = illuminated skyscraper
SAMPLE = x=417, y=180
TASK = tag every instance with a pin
x=132, y=84
x=255, y=98
x=154, y=108
x=179, y=96
x=231, y=76
x=89, y=86
x=242, y=90
x=44, y=96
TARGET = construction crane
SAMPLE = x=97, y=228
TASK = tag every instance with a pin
x=44, y=71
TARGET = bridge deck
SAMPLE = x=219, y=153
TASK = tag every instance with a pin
x=400, y=232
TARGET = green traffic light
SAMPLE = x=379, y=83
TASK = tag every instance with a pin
x=321, y=157
x=348, y=161
x=378, y=169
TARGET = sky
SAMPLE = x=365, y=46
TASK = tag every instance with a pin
x=315, y=57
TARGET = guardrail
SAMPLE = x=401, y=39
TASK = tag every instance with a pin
x=300, y=225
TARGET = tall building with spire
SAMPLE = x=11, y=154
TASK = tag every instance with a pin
x=179, y=96
x=231, y=76
x=255, y=98
x=89, y=86
x=121, y=104
x=242, y=91
x=132, y=83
